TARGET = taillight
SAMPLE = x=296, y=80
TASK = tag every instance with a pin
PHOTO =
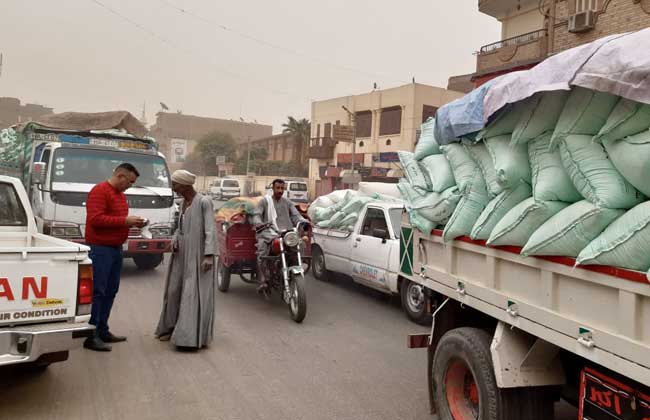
x=84, y=289
x=275, y=246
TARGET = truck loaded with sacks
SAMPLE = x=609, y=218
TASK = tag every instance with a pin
x=528, y=223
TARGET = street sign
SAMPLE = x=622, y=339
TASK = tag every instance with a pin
x=344, y=133
x=220, y=160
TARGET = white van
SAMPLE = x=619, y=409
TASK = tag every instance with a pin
x=296, y=191
x=225, y=188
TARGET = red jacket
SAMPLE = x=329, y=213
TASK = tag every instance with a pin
x=106, y=211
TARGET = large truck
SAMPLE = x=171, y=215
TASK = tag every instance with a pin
x=513, y=334
x=45, y=287
x=65, y=155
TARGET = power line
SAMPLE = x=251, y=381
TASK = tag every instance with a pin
x=166, y=41
x=282, y=48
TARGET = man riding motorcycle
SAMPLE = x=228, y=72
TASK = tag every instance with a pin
x=273, y=215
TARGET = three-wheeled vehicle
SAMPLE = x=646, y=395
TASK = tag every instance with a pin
x=284, y=267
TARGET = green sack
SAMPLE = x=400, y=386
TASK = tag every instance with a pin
x=504, y=123
x=462, y=165
x=427, y=144
x=540, y=114
x=510, y=162
x=469, y=208
x=631, y=157
x=409, y=194
x=438, y=171
x=594, y=175
x=550, y=179
x=349, y=220
x=518, y=224
x=627, y=119
x=497, y=208
x=320, y=214
x=333, y=222
x=355, y=204
x=413, y=172
x=479, y=153
x=437, y=207
x=571, y=230
x=625, y=243
x=585, y=112
x=421, y=223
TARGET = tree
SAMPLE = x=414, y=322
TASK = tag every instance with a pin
x=203, y=158
x=300, y=130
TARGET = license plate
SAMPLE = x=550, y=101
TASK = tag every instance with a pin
x=603, y=398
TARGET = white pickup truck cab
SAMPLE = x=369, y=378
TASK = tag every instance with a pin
x=45, y=286
x=370, y=254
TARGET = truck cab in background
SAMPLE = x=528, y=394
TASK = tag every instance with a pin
x=66, y=166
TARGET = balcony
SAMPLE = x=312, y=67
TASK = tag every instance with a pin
x=321, y=148
x=500, y=8
x=516, y=51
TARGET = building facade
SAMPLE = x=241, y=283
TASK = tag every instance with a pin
x=178, y=134
x=531, y=30
x=283, y=147
x=386, y=121
x=13, y=112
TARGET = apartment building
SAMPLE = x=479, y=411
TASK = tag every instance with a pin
x=531, y=30
x=13, y=112
x=283, y=147
x=178, y=134
x=386, y=121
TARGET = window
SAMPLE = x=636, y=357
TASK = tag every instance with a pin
x=45, y=157
x=428, y=111
x=230, y=183
x=396, y=221
x=12, y=212
x=364, y=123
x=374, y=219
x=298, y=186
x=328, y=130
x=388, y=142
x=585, y=5
x=390, y=121
x=361, y=143
x=317, y=130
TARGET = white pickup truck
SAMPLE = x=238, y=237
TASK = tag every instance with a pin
x=45, y=286
x=370, y=255
x=512, y=334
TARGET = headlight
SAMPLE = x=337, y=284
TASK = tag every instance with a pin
x=291, y=239
x=160, y=231
x=62, y=230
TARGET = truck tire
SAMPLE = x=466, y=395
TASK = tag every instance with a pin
x=148, y=261
x=465, y=388
x=318, y=264
x=414, y=302
x=223, y=277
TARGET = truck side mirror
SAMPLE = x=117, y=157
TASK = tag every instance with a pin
x=38, y=173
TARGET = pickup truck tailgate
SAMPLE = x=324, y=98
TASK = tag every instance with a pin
x=37, y=286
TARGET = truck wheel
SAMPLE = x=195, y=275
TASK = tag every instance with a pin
x=465, y=388
x=223, y=277
x=414, y=302
x=318, y=264
x=148, y=262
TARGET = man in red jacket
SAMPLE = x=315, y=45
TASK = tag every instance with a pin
x=107, y=228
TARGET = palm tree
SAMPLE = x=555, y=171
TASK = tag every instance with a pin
x=301, y=131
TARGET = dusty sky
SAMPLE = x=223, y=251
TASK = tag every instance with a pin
x=259, y=59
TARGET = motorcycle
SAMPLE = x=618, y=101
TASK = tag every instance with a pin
x=284, y=267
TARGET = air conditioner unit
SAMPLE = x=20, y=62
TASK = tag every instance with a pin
x=582, y=21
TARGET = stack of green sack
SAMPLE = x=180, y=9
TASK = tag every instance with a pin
x=340, y=209
x=429, y=188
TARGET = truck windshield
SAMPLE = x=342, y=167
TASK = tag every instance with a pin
x=230, y=184
x=91, y=166
x=396, y=221
x=298, y=186
x=12, y=212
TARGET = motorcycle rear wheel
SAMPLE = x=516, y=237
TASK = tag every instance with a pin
x=298, y=301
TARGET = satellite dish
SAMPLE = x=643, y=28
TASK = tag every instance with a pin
x=164, y=107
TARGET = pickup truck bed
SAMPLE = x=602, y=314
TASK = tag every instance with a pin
x=599, y=313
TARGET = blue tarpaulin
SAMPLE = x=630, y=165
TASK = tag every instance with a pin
x=462, y=116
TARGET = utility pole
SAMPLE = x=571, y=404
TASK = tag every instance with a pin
x=248, y=158
x=353, y=122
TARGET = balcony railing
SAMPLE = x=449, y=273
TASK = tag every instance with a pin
x=321, y=148
x=514, y=41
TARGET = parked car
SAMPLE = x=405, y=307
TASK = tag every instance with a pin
x=296, y=191
x=370, y=255
x=225, y=188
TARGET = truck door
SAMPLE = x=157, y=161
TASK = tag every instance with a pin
x=371, y=247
